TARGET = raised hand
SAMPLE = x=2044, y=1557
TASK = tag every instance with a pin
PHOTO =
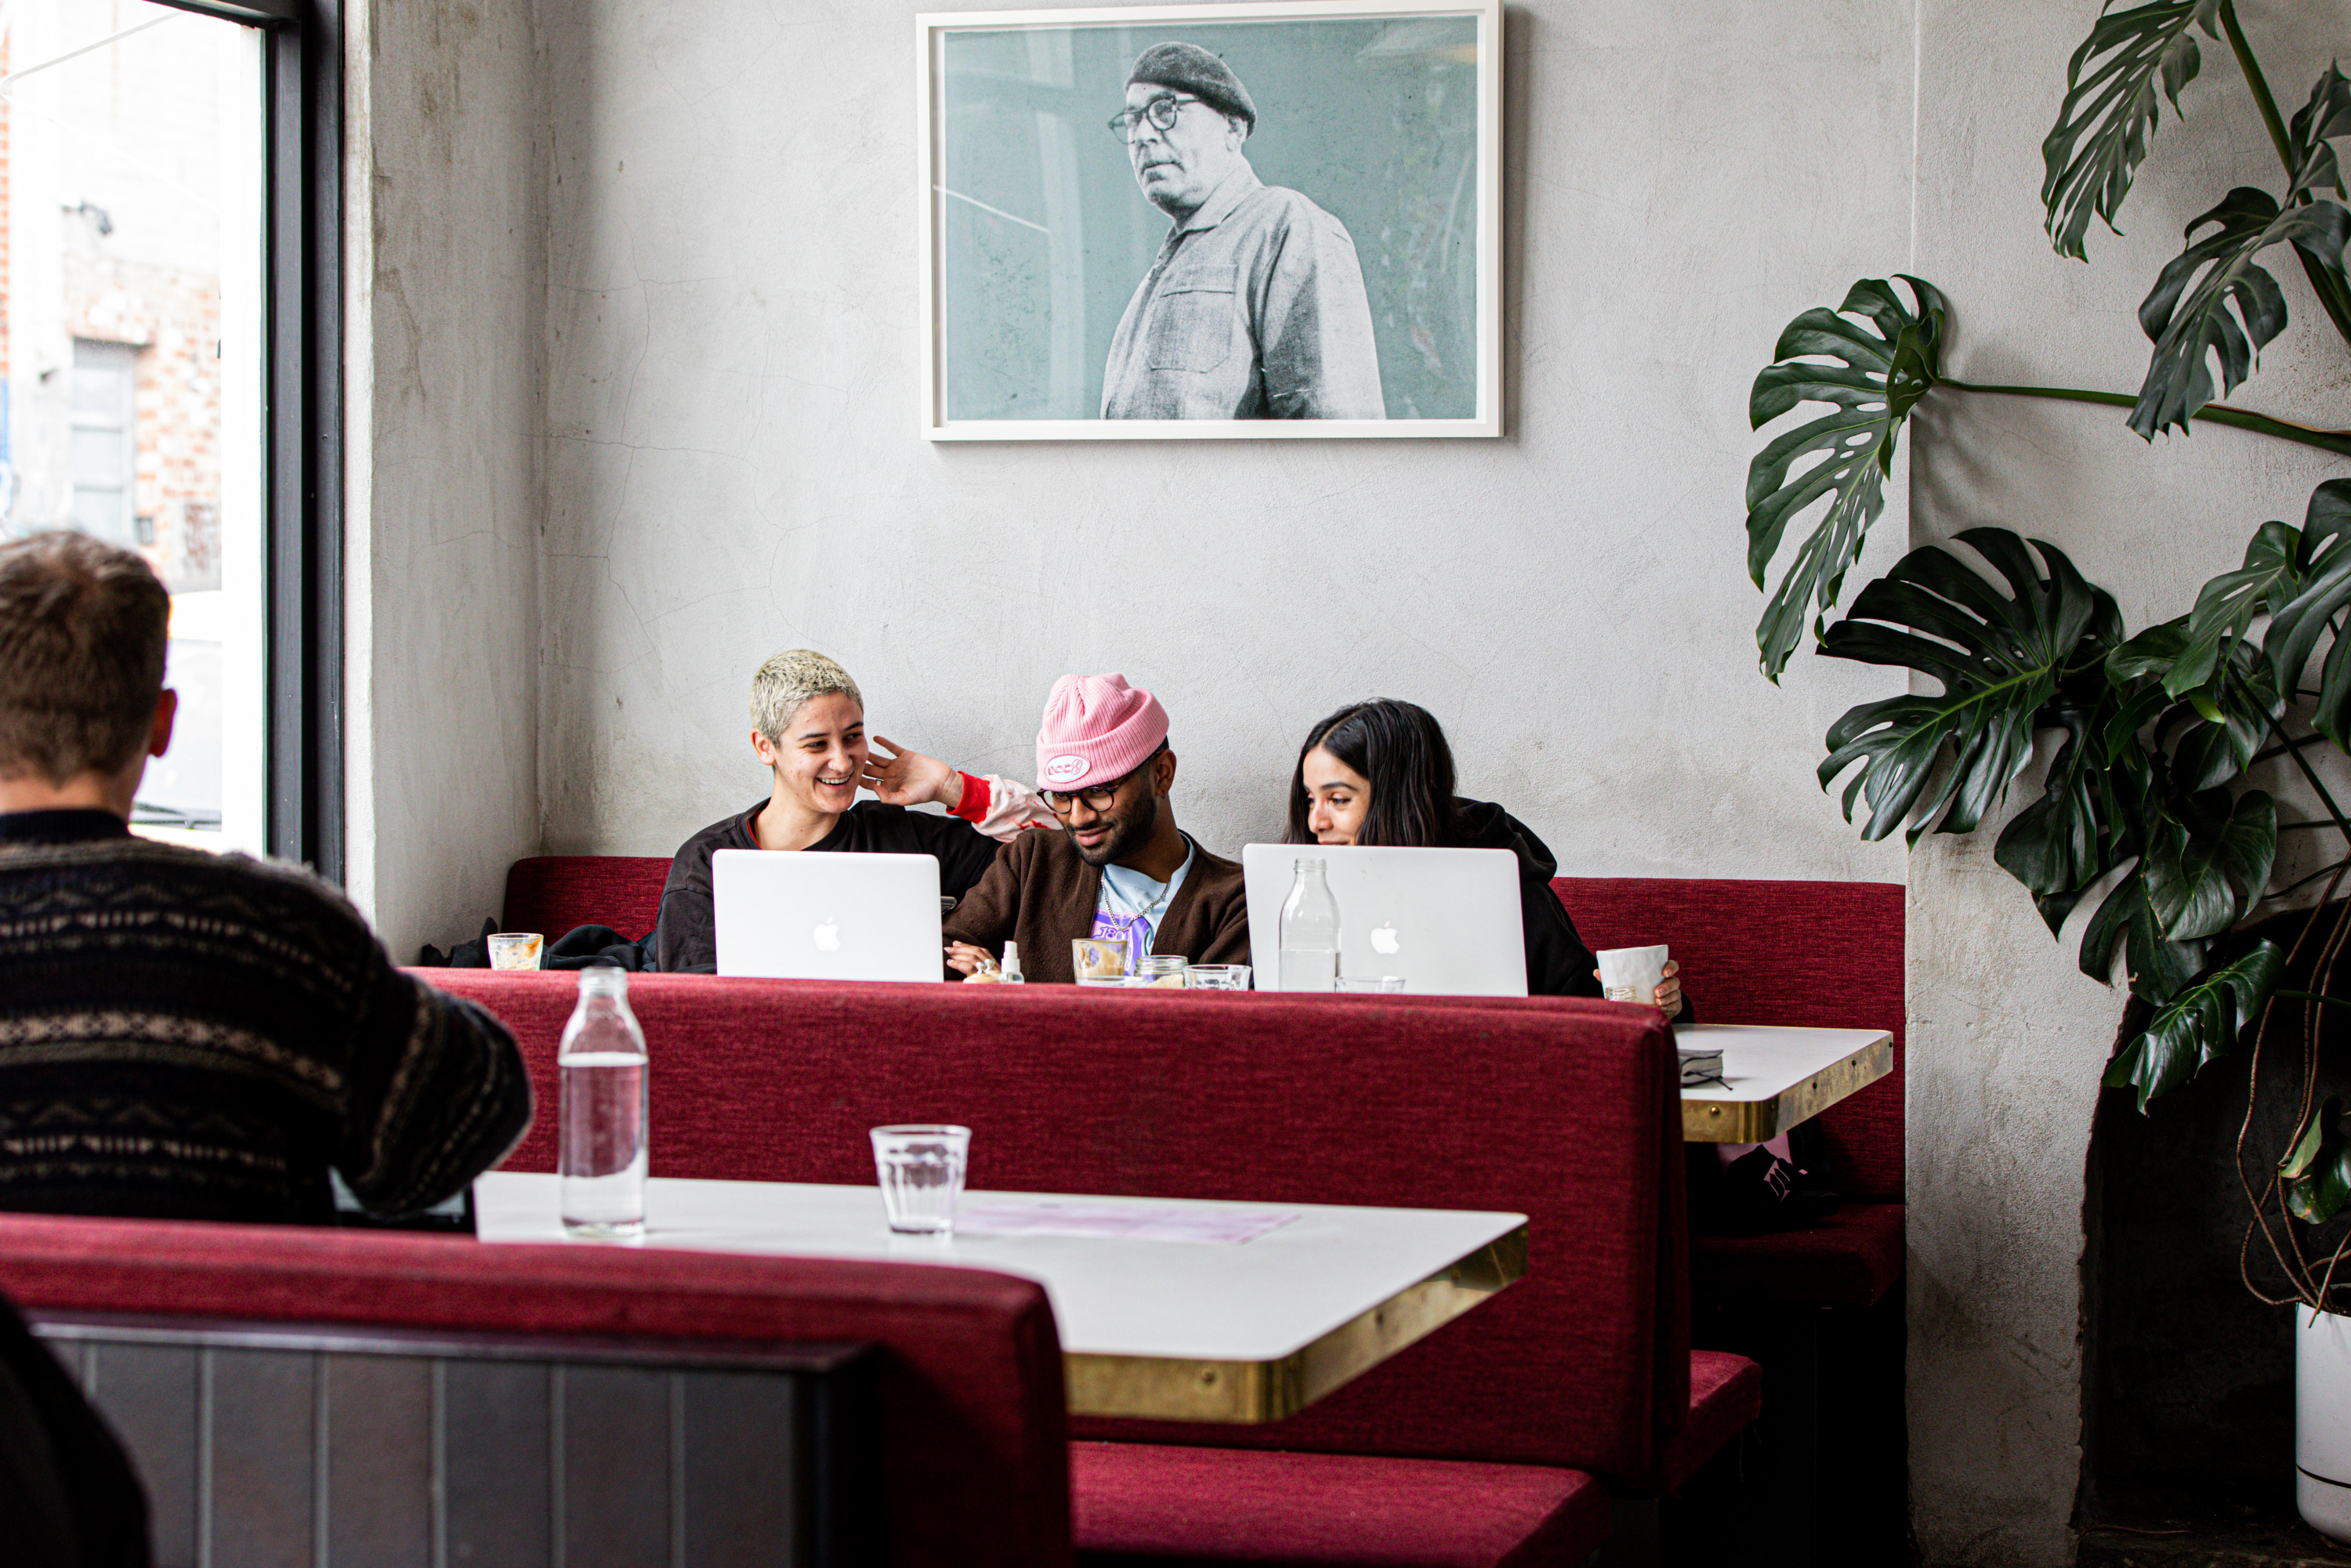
x=901, y=778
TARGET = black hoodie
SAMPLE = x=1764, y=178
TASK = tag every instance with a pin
x=1558, y=963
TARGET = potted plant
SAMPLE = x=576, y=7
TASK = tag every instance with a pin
x=2143, y=814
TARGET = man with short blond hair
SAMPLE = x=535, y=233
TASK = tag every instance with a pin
x=186, y=1035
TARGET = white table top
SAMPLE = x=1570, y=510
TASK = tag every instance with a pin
x=1273, y=1299
x=1774, y=1078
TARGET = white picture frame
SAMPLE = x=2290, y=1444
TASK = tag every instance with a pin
x=1013, y=303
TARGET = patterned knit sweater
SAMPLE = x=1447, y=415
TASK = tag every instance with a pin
x=185, y=1035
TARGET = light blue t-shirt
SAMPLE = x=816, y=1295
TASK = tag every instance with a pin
x=1127, y=894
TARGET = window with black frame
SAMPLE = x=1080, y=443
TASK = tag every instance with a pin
x=159, y=374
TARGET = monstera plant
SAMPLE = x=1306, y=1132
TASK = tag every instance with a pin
x=2143, y=803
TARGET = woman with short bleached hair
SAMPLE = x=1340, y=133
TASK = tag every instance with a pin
x=807, y=726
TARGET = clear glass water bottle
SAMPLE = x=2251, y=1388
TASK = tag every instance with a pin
x=603, y=1062
x=1310, y=932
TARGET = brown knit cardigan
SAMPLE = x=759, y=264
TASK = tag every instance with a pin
x=1041, y=893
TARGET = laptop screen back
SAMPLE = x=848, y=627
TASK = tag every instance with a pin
x=1447, y=921
x=801, y=916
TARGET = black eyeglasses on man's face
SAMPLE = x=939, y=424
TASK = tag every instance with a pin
x=1097, y=797
x=1160, y=112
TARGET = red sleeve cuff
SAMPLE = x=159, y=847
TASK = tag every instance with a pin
x=976, y=798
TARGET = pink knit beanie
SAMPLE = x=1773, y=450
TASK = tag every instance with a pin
x=1097, y=728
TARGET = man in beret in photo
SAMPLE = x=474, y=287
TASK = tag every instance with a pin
x=1255, y=307
x=1119, y=870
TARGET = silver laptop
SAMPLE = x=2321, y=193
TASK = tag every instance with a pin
x=799, y=916
x=1445, y=920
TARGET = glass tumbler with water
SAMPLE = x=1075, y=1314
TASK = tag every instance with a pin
x=920, y=1168
x=602, y=1060
x=1310, y=930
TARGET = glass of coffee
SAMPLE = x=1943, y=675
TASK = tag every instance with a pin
x=516, y=950
x=1098, y=960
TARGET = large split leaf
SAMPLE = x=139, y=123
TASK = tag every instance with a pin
x=2271, y=577
x=2209, y=734
x=2197, y=1026
x=2111, y=110
x=1878, y=378
x=2316, y=1171
x=2082, y=825
x=2233, y=309
x=2310, y=139
x=1944, y=761
x=2297, y=626
x=2208, y=860
x=2157, y=967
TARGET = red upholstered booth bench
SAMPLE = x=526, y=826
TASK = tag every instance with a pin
x=1826, y=954
x=1484, y=1438
x=1817, y=1306
x=965, y=1386
x=555, y=893
x=1822, y=953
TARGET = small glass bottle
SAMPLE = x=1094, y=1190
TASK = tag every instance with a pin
x=1310, y=930
x=1012, y=974
x=602, y=1060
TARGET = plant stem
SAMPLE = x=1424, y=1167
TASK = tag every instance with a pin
x=2314, y=997
x=2332, y=868
x=2310, y=775
x=2335, y=440
x=2260, y=84
x=2284, y=745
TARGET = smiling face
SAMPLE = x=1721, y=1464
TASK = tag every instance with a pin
x=1126, y=826
x=1337, y=798
x=1179, y=166
x=822, y=752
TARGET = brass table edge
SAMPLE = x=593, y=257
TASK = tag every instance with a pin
x=1754, y=1121
x=1168, y=1388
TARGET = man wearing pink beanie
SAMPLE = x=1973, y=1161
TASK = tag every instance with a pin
x=1119, y=868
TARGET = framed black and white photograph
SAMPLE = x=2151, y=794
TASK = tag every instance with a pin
x=1220, y=221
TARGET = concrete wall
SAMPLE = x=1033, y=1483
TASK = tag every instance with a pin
x=733, y=465
x=445, y=294
x=2007, y=1041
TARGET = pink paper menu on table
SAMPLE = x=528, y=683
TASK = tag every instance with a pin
x=1045, y=1217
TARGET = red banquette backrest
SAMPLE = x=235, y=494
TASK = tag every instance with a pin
x=1563, y=1111
x=1825, y=952
x=971, y=1398
x=1822, y=953
x=554, y=893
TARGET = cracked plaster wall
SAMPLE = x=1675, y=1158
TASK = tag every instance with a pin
x=2006, y=1038
x=445, y=301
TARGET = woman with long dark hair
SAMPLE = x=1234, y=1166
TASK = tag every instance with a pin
x=1380, y=772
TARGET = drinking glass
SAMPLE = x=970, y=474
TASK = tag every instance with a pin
x=1363, y=985
x=920, y=1169
x=1160, y=971
x=1219, y=976
x=516, y=950
x=1098, y=960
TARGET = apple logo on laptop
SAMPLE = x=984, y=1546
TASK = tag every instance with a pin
x=1384, y=940
x=828, y=936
